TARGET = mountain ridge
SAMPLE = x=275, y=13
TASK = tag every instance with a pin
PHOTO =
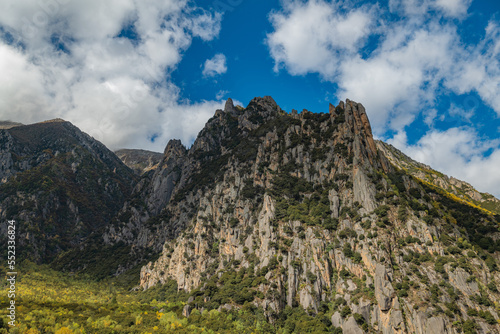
x=59, y=184
x=370, y=195
x=141, y=161
x=463, y=190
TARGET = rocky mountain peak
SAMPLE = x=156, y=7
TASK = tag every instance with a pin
x=74, y=183
x=336, y=110
x=174, y=149
x=463, y=190
x=264, y=106
x=266, y=102
x=140, y=161
x=229, y=107
x=309, y=209
x=356, y=117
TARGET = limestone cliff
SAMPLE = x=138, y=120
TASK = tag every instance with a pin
x=304, y=209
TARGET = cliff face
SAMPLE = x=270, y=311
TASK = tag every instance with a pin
x=305, y=210
x=236, y=196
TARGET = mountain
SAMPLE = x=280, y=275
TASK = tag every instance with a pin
x=302, y=209
x=464, y=191
x=288, y=223
x=8, y=124
x=141, y=161
x=60, y=185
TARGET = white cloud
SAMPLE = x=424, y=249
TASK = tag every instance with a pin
x=20, y=81
x=458, y=111
x=215, y=66
x=220, y=94
x=429, y=116
x=479, y=69
x=447, y=8
x=398, y=80
x=458, y=152
x=310, y=36
x=453, y=8
x=114, y=88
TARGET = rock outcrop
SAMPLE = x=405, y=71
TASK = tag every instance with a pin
x=384, y=291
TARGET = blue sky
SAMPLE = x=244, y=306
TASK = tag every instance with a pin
x=136, y=74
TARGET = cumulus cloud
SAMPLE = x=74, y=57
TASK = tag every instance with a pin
x=453, y=8
x=20, y=81
x=220, y=94
x=478, y=69
x=215, y=66
x=461, y=152
x=460, y=112
x=310, y=36
x=74, y=60
x=400, y=76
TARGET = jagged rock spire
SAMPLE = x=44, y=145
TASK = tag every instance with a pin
x=229, y=107
x=267, y=103
x=174, y=149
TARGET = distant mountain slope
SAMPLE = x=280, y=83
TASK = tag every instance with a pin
x=60, y=184
x=8, y=124
x=141, y=161
x=451, y=185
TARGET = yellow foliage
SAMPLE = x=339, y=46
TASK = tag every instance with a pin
x=62, y=305
x=456, y=198
x=32, y=331
x=64, y=330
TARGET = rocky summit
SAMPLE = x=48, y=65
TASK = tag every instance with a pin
x=273, y=212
